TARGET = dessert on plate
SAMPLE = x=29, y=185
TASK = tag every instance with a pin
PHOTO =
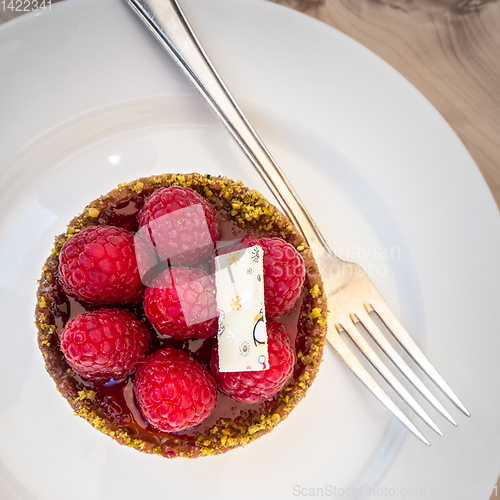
x=129, y=324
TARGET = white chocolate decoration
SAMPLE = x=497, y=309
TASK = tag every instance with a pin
x=242, y=333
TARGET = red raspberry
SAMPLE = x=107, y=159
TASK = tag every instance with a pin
x=98, y=265
x=181, y=302
x=257, y=386
x=182, y=224
x=174, y=391
x=105, y=344
x=284, y=272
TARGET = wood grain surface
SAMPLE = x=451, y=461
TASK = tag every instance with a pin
x=448, y=49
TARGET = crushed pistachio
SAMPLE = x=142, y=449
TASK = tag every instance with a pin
x=93, y=212
x=154, y=180
x=85, y=394
x=139, y=187
x=253, y=429
x=275, y=418
x=307, y=360
x=316, y=312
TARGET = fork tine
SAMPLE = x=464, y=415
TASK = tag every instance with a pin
x=381, y=367
x=352, y=362
x=389, y=350
x=404, y=338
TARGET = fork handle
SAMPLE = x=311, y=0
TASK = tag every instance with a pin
x=167, y=22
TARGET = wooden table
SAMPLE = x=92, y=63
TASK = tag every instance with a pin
x=448, y=49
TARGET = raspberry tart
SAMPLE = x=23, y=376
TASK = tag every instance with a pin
x=127, y=316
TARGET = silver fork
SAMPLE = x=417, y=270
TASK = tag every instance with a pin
x=353, y=301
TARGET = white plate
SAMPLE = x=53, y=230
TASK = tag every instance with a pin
x=89, y=101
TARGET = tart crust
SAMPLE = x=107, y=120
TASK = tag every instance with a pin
x=247, y=211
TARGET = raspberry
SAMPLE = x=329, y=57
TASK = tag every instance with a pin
x=284, y=272
x=174, y=391
x=98, y=265
x=105, y=344
x=182, y=303
x=257, y=386
x=181, y=223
